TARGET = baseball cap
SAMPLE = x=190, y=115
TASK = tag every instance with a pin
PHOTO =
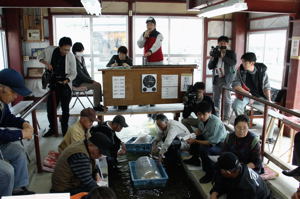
x=151, y=19
x=102, y=142
x=89, y=113
x=119, y=119
x=228, y=161
x=14, y=80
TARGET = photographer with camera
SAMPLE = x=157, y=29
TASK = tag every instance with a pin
x=194, y=96
x=62, y=63
x=222, y=62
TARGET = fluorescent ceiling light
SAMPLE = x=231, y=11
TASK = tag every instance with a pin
x=92, y=7
x=223, y=8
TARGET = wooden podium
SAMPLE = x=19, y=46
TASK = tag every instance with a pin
x=141, y=85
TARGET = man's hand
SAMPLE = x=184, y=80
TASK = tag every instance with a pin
x=191, y=141
x=98, y=178
x=123, y=149
x=114, y=64
x=160, y=158
x=146, y=33
x=26, y=125
x=49, y=67
x=197, y=132
x=125, y=65
x=214, y=195
x=27, y=132
x=147, y=54
x=223, y=53
x=296, y=195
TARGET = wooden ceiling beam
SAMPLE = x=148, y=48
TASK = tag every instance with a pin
x=275, y=6
x=65, y=3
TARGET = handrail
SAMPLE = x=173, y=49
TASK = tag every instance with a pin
x=266, y=105
x=266, y=102
x=34, y=105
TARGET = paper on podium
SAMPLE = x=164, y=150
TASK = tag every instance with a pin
x=41, y=196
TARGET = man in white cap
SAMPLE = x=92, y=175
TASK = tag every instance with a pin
x=13, y=163
x=151, y=41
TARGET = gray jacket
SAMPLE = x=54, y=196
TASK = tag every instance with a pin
x=229, y=66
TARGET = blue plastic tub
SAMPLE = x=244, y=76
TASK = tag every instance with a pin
x=138, y=148
x=148, y=183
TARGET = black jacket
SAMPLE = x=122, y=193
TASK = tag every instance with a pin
x=248, y=185
x=189, y=108
x=116, y=59
x=111, y=134
x=259, y=77
x=229, y=65
x=82, y=74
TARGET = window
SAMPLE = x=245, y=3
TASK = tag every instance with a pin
x=269, y=48
x=3, y=51
x=182, y=44
x=100, y=36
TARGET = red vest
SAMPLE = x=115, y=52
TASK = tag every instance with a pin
x=155, y=56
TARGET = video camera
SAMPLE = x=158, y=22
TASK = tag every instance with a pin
x=216, y=51
x=191, y=96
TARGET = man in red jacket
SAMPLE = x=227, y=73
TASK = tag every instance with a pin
x=151, y=41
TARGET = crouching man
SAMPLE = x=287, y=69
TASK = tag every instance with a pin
x=211, y=133
x=237, y=180
x=170, y=139
x=75, y=170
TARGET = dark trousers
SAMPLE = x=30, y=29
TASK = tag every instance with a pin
x=296, y=152
x=203, y=151
x=172, y=156
x=63, y=96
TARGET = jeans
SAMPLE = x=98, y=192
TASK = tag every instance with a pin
x=217, y=92
x=63, y=95
x=238, y=105
x=13, y=169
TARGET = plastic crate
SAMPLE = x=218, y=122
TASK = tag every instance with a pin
x=138, y=148
x=148, y=183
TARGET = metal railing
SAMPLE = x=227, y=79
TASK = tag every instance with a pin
x=266, y=105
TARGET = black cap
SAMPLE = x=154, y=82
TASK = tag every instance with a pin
x=14, y=80
x=228, y=161
x=151, y=19
x=119, y=119
x=102, y=142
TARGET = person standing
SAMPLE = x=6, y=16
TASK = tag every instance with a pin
x=84, y=79
x=13, y=162
x=151, y=41
x=62, y=63
x=222, y=62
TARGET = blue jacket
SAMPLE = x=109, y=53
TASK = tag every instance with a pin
x=9, y=120
x=214, y=131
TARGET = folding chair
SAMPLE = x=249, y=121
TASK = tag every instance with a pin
x=80, y=91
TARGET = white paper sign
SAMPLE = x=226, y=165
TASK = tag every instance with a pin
x=169, y=86
x=169, y=92
x=41, y=196
x=186, y=81
x=169, y=80
x=118, y=84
